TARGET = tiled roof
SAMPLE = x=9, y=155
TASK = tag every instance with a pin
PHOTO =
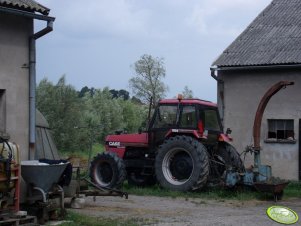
x=274, y=37
x=25, y=5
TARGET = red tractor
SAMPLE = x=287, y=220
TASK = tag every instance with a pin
x=184, y=148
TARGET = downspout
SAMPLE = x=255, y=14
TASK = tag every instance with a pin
x=220, y=96
x=213, y=70
x=32, y=85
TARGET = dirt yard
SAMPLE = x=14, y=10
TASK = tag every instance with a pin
x=181, y=211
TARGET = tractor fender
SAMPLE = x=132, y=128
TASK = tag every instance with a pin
x=188, y=132
x=119, y=150
x=119, y=143
x=225, y=138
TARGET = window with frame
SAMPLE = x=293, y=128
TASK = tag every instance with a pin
x=188, y=117
x=211, y=120
x=281, y=129
x=166, y=116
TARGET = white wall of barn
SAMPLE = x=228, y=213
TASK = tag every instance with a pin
x=14, y=78
x=242, y=92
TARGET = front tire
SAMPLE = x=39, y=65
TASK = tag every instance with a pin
x=182, y=164
x=108, y=170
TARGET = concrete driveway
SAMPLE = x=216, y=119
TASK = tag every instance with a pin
x=181, y=211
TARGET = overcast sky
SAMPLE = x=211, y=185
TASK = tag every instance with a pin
x=95, y=42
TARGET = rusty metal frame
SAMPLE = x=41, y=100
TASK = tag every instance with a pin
x=261, y=107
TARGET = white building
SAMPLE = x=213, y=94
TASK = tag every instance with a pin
x=17, y=69
x=267, y=51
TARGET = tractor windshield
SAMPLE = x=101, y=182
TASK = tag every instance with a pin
x=185, y=117
x=188, y=117
x=166, y=116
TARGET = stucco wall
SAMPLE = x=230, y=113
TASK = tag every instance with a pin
x=242, y=93
x=14, y=76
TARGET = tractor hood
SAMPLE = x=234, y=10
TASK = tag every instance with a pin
x=123, y=140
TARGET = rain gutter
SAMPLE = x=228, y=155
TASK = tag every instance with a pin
x=254, y=67
x=25, y=14
x=32, y=69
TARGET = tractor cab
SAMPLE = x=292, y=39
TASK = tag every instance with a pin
x=193, y=117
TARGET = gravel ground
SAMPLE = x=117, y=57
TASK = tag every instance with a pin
x=165, y=211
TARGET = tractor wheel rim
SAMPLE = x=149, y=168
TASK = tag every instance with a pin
x=104, y=174
x=177, y=166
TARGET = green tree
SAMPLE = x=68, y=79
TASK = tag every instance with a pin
x=187, y=93
x=147, y=82
x=85, y=90
x=105, y=112
x=133, y=115
x=120, y=94
x=80, y=118
x=63, y=110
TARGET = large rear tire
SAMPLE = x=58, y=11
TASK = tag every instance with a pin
x=108, y=170
x=231, y=157
x=182, y=164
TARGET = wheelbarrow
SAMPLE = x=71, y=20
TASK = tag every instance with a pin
x=276, y=188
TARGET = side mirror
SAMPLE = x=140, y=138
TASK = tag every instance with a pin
x=228, y=131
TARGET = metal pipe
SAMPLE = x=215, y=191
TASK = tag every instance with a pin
x=44, y=31
x=61, y=190
x=261, y=107
x=42, y=192
x=213, y=75
x=220, y=96
x=32, y=98
x=32, y=86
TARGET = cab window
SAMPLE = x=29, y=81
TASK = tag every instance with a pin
x=166, y=116
x=211, y=121
x=188, y=117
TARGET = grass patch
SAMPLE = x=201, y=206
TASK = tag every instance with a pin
x=81, y=157
x=208, y=193
x=96, y=148
x=76, y=219
x=293, y=190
